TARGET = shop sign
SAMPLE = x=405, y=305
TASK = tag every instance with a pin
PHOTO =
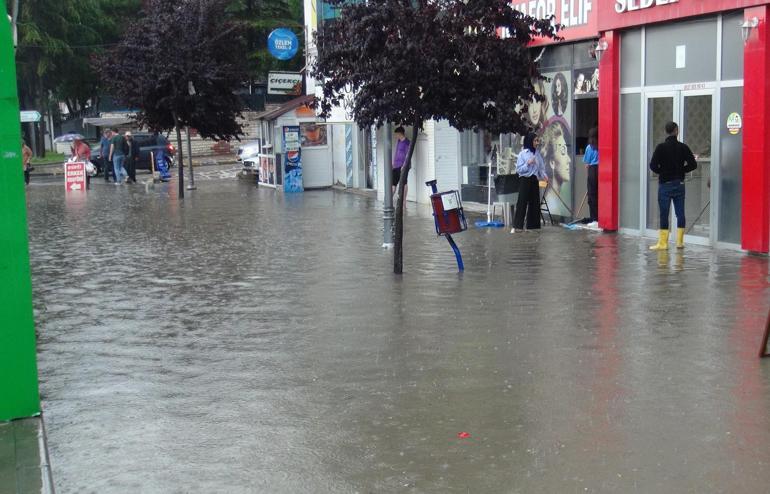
x=284, y=83
x=622, y=6
x=282, y=43
x=75, y=176
x=292, y=158
x=577, y=16
x=28, y=116
x=734, y=123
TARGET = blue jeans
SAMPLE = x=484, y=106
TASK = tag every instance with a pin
x=117, y=166
x=667, y=192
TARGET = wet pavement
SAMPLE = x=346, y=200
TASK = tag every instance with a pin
x=250, y=341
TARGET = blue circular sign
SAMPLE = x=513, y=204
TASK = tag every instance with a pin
x=282, y=44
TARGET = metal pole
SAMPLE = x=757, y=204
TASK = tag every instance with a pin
x=189, y=158
x=388, y=212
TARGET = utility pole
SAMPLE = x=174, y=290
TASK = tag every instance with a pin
x=189, y=158
x=388, y=213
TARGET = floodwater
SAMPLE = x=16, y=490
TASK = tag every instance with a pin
x=244, y=340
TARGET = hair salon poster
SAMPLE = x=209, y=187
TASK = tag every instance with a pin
x=292, y=159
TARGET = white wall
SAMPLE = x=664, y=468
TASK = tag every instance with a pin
x=423, y=167
x=336, y=136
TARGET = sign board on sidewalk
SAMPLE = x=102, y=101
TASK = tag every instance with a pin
x=75, y=176
x=30, y=116
x=284, y=83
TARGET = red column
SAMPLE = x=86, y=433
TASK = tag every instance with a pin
x=609, y=125
x=755, y=197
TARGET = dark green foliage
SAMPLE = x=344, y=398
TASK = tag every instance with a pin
x=56, y=40
x=259, y=18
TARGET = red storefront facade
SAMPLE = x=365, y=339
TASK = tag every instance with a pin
x=738, y=178
x=680, y=60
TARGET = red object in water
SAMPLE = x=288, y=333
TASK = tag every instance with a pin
x=463, y=435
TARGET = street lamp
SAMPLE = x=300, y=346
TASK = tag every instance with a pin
x=747, y=26
x=599, y=49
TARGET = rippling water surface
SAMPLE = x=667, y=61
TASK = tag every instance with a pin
x=248, y=341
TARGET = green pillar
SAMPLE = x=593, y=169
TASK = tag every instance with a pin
x=18, y=366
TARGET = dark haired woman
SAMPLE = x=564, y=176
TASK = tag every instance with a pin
x=591, y=159
x=531, y=169
x=559, y=96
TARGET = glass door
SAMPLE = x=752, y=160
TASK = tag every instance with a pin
x=661, y=109
x=693, y=111
x=696, y=127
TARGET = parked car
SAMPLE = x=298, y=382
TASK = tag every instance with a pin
x=147, y=144
x=249, y=150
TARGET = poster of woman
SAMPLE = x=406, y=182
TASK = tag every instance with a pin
x=312, y=134
x=559, y=94
x=556, y=144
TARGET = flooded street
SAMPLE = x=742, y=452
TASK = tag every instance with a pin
x=244, y=340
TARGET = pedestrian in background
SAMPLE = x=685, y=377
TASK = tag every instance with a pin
x=531, y=169
x=131, y=157
x=591, y=160
x=81, y=152
x=671, y=160
x=26, y=160
x=118, y=156
x=399, y=158
x=104, y=154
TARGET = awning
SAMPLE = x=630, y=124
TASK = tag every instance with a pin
x=107, y=121
x=286, y=107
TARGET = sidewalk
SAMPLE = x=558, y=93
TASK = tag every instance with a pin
x=24, y=465
x=56, y=169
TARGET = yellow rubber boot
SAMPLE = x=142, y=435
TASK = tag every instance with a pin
x=662, y=241
x=680, y=238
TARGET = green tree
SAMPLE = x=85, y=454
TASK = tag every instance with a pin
x=259, y=18
x=56, y=41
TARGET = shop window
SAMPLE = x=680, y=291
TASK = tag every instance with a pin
x=730, y=169
x=630, y=164
x=732, y=47
x=681, y=52
x=631, y=59
x=554, y=57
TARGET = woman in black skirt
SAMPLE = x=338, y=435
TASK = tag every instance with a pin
x=531, y=169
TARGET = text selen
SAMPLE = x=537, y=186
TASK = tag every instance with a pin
x=631, y=5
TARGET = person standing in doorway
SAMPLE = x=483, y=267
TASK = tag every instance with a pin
x=670, y=161
x=104, y=154
x=26, y=160
x=131, y=157
x=531, y=169
x=118, y=156
x=591, y=160
x=399, y=158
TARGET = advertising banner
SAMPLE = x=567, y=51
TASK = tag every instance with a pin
x=292, y=159
x=75, y=176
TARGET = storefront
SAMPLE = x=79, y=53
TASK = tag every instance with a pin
x=563, y=118
x=683, y=61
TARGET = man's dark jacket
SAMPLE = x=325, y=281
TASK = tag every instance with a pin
x=672, y=159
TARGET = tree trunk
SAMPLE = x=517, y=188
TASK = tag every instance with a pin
x=180, y=163
x=398, y=240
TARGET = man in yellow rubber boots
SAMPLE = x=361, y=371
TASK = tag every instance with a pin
x=671, y=160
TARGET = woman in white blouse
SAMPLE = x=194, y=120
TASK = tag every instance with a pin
x=531, y=169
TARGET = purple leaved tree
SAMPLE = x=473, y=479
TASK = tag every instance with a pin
x=409, y=61
x=180, y=64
